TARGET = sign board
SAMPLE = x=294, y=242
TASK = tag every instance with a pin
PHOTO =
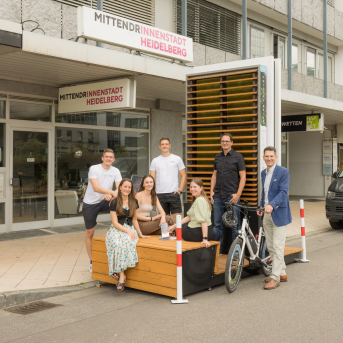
x=111, y=29
x=327, y=145
x=100, y=96
x=302, y=122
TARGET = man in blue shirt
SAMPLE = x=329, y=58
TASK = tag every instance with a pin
x=275, y=185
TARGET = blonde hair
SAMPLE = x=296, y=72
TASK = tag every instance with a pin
x=199, y=183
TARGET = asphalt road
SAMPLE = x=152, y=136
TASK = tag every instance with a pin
x=307, y=308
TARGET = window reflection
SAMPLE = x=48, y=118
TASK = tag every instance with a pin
x=78, y=149
x=28, y=111
x=110, y=119
x=295, y=58
x=2, y=109
x=311, y=62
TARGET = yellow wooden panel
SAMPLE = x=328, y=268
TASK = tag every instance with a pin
x=169, y=292
x=144, y=253
x=140, y=275
x=146, y=265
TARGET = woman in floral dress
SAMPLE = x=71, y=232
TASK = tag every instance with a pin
x=122, y=237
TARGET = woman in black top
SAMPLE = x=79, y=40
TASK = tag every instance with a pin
x=122, y=237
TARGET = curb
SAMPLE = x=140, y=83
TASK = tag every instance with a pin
x=21, y=297
x=309, y=234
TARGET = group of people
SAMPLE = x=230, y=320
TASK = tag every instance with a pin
x=133, y=215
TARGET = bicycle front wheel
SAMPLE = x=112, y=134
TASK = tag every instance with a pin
x=234, y=266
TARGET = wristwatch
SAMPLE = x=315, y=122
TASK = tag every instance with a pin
x=205, y=238
x=180, y=192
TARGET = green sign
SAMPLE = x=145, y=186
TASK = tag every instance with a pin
x=312, y=122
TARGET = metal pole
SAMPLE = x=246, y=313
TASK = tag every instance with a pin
x=244, y=28
x=289, y=50
x=179, y=290
x=99, y=7
x=325, y=48
x=184, y=17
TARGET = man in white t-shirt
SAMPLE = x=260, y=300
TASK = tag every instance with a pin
x=165, y=169
x=98, y=194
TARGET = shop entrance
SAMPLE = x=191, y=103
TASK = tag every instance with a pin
x=29, y=169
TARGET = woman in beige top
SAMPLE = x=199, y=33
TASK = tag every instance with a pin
x=197, y=226
x=147, y=198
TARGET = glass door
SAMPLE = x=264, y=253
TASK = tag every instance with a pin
x=30, y=178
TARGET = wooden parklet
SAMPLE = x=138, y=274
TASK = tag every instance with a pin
x=156, y=270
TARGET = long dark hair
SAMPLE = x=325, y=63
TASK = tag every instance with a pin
x=199, y=182
x=131, y=200
x=153, y=191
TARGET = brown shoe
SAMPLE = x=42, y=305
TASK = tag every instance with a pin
x=282, y=279
x=272, y=284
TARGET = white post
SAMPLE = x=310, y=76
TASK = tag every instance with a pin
x=179, y=299
x=303, y=241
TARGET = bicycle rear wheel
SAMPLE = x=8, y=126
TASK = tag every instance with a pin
x=264, y=254
x=233, y=269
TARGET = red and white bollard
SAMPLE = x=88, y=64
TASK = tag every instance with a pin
x=303, y=242
x=179, y=299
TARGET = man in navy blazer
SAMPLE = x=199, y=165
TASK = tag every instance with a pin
x=275, y=184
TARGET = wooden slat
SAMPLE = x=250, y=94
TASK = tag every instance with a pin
x=234, y=138
x=220, y=96
x=222, y=89
x=136, y=274
x=143, y=286
x=217, y=152
x=226, y=109
x=144, y=253
x=203, y=178
x=233, y=130
x=225, y=123
x=212, y=159
x=211, y=165
x=227, y=74
x=208, y=145
x=220, y=103
x=230, y=116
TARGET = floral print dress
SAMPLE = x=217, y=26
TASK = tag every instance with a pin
x=121, y=249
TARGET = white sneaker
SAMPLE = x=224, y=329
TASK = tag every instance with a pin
x=90, y=268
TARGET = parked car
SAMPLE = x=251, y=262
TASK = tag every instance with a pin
x=334, y=201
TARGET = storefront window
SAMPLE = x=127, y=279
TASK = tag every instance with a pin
x=110, y=119
x=2, y=145
x=28, y=111
x=75, y=157
x=2, y=213
x=2, y=109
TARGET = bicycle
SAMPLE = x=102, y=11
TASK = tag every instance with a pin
x=259, y=258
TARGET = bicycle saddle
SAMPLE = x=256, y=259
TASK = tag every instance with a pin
x=230, y=219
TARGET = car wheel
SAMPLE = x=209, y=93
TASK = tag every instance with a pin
x=336, y=225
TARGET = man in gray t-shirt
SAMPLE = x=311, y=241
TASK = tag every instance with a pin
x=101, y=178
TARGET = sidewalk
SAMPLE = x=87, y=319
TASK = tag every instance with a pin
x=61, y=259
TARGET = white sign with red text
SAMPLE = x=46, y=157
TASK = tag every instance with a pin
x=120, y=93
x=111, y=29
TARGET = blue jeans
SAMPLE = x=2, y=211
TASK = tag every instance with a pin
x=218, y=211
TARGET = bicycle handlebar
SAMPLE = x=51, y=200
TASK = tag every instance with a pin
x=246, y=207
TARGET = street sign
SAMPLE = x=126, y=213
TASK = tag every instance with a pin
x=302, y=122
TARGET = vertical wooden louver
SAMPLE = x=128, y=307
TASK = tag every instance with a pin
x=217, y=103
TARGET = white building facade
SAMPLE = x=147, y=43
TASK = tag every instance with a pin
x=45, y=155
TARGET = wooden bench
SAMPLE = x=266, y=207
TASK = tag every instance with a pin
x=155, y=272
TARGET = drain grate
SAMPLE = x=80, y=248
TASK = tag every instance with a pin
x=33, y=307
